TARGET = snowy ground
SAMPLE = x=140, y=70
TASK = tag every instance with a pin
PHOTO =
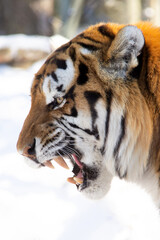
x=41, y=205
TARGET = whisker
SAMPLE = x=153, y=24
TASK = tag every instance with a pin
x=72, y=150
x=59, y=154
x=65, y=152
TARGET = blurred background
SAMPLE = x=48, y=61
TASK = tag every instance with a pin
x=40, y=204
x=66, y=17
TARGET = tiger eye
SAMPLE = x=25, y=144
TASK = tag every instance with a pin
x=59, y=100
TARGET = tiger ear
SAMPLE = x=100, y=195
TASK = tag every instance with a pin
x=125, y=48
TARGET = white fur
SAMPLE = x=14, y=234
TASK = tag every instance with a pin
x=134, y=37
x=85, y=51
x=100, y=108
x=64, y=76
x=83, y=120
x=150, y=183
x=113, y=135
x=31, y=163
x=49, y=94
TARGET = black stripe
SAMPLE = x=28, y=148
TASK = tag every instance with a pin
x=58, y=144
x=50, y=125
x=109, y=101
x=50, y=140
x=95, y=132
x=61, y=63
x=51, y=129
x=59, y=88
x=39, y=76
x=53, y=57
x=106, y=31
x=86, y=130
x=92, y=97
x=90, y=47
x=83, y=70
x=70, y=93
x=54, y=76
x=35, y=87
x=72, y=53
x=73, y=113
x=50, y=58
x=120, y=138
x=61, y=142
x=60, y=122
x=89, y=38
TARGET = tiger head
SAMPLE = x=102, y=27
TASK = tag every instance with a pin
x=86, y=106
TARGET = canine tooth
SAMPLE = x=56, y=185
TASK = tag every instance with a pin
x=78, y=180
x=71, y=180
x=61, y=162
x=49, y=164
x=69, y=163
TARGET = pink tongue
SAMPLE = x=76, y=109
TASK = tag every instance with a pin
x=77, y=179
x=80, y=165
x=79, y=175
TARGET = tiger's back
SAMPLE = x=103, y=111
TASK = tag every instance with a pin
x=96, y=102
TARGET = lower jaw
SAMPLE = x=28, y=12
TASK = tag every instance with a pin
x=83, y=186
x=74, y=161
x=81, y=176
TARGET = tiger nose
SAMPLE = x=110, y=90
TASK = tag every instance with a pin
x=29, y=151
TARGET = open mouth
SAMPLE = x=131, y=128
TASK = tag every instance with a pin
x=78, y=168
x=83, y=174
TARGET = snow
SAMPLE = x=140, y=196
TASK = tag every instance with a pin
x=21, y=41
x=58, y=40
x=41, y=205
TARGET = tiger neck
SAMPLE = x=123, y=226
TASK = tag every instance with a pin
x=149, y=83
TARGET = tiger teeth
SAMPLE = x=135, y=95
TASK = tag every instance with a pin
x=78, y=180
x=58, y=160
x=48, y=164
x=71, y=180
x=61, y=162
x=75, y=180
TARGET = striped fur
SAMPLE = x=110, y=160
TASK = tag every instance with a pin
x=98, y=97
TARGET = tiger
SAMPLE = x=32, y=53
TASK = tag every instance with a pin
x=95, y=102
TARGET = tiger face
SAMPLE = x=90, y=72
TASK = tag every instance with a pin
x=87, y=107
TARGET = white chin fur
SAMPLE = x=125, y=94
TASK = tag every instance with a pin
x=99, y=187
x=31, y=163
